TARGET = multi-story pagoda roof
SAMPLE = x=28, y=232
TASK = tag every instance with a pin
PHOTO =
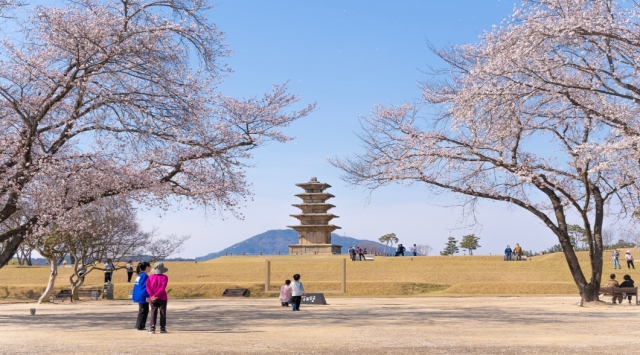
x=314, y=230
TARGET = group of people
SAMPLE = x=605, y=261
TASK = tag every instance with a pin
x=510, y=253
x=615, y=255
x=356, y=251
x=151, y=291
x=628, y=282
x=291, y=293
x=109, y=268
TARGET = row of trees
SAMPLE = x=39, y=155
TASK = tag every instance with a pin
x=109, y=231
x=468, y=243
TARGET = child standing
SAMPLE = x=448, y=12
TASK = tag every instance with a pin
x=297, y=291
x=140, y=294
x=285, y=293
x=157, y=288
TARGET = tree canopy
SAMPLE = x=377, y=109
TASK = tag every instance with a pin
x=107, y=98
x=542, y=113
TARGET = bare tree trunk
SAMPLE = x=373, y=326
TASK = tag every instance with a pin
x=52, y=280
x=596, y=246
x=75, y=286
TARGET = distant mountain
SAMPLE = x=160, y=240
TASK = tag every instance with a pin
x=278, y=240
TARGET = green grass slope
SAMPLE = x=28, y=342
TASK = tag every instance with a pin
x=386, y=276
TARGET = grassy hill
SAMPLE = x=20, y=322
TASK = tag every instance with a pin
x=386, y=276
x=277, y=241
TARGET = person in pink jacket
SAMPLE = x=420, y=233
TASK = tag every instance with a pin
x=157, y=289
x=285, y=293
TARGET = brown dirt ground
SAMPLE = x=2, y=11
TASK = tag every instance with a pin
x=434, y=325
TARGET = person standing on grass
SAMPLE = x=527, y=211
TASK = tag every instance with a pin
x=628, y=282
x=157, y=288
x=614, y=283
x=129, y=269
x=108, y=271
x=297, y=291
x=140, y=294
x=518, y=251
x=361, y=254
x=616, y=263
x=352, y=253
x=507, y=253
x=285, y=293
x=629, y=259
x=400, y=250
x=414, y=250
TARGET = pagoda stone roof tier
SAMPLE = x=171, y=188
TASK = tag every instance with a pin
x=314, y=215
x=313, y=186
x=314, y=218
x=323, y=227
x=315, y=197
x=314, y=207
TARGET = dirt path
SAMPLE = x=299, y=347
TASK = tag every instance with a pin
x=477, y=325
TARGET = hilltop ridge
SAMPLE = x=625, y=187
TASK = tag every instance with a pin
x=277, y=240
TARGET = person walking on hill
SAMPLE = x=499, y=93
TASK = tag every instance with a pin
x=414, y=250
x=297, y=291
x=285, y=293
x=629, y=259
x=628, y=282
x=157, y=288
x=614, y=283
x=518, y=251
x=616, y=263
x=140, y=294
x=129, y=269
x=507, y=253
x=108, y=271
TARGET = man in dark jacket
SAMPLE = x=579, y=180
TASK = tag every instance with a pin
x=400, y=250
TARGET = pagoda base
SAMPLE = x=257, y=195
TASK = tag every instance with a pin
x=312, y=249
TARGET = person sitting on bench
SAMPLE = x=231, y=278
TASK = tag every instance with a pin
x=614, y=283
x=628, y=282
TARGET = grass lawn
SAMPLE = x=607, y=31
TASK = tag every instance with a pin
x=386, y=276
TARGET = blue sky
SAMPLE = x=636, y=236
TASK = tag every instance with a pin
x=347, y=57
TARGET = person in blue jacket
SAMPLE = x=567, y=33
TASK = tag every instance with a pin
x=140, y=294
x=507, y=253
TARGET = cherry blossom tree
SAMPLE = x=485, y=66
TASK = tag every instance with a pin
x=542, y=114
x=112, y=233
x=104, y=98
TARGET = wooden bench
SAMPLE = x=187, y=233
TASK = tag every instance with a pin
x=236, y=292
x=626, y=291
x=88, y=293
x=61, y=295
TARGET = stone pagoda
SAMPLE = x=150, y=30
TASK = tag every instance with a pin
x=314, y=230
